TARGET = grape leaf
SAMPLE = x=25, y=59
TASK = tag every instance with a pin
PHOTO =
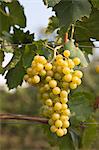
x=28, y=55
x=95, y=3
x=41, y=48
x=89, y=134
x=89, y=28
x=19, y=36
x=80, y=104
x=52, y=25
x=51, y=3
x=17, y=10
x=15, y=76
x=66, y=143
x=11, y=17
x=13, y=62
x=69, y=11
x=75, y=138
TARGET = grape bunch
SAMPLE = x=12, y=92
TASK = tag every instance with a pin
x=55, y=80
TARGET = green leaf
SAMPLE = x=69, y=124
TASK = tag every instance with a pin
x=81, y=105
x=75, y=138
x=51, y=3
x=41, y=48
x=69, y=11
x=95, y=3
x=17, y=14
x=11, y=17
x=89, y=134
x=19, y=36
x=28, y=55
x=15, y=59
x=15, y=76
x=66, y=143
x=89, y=28
x=52, y=25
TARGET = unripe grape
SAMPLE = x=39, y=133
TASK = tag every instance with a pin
x=57, y=76
x=66, y=112
x=59, y=56
x=59, y=69
x=65, y=64
x=45, y=96
x=63, y=94
x=66, y=53
x=33, y=64
x=26, y=77
x=50, y=73
x=64, y=117
x=55, y=116
x=39, y=67
x=66, y=124
x=73, y=85
x=67, y=78
x=76, y=61
x=60, y=62
x=57, y=106
x=42, y=73
x=63, y=100
x=42, y=60
x=78, y=81
x=36, y=79
x=64, y=106
x=53, y=129
x=52, y=96
x=42, y=89
x=48, y=66
x=49, y=102
x=65, y=85
x=58, y=123
x=34, y=72
x=56, y=90
x=66, y=70
x=71, y=64
x=65, y=131
x=60, y=132
x=48, y=78
x=54, y=68
x=52, y=83
x=29, y=71
x=46, y=87
x=50, y=122
x=75, y=79
x=29, y=80
x=78, y=73
x=36, y=58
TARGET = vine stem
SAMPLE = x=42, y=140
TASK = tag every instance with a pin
x=50, y=47
x=7, y=116
x=55, y=51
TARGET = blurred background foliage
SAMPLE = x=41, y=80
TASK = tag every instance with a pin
x=22, y=135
